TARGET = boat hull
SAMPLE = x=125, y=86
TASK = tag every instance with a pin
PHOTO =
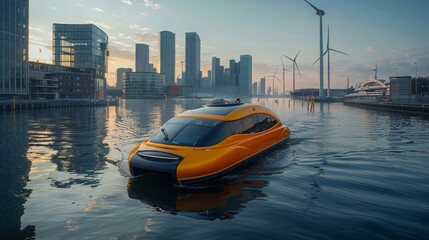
x=191, y=165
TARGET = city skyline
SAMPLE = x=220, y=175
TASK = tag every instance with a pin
x=391, y=33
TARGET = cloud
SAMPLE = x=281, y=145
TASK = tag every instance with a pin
x=127, y=2
x=149, y=3
x=98, y=10
x=37, y=29
x=139, y=28
x=80, y=5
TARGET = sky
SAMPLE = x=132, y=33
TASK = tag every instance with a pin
x=392, y=33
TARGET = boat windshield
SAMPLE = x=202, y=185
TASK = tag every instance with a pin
x=192, y=132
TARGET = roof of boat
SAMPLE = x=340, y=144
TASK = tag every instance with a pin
x=226, y=112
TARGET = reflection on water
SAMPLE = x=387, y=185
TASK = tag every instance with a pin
x=64, y=175
x=209, y=202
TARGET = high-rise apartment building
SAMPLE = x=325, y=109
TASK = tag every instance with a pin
x=245, y=76
x=167, y=56
x=14, y=48
x=82, y=46
x=142, y=58
x=255, y=88
x=193, y=60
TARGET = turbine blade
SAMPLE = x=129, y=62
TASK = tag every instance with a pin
x=275, y=73
x=338, y=51
x=327, y=44
x=315, y=8
x=282, y=63
x=316, y=61
x=289, y=58
x=296, y=56
x=296, y=64
x=277, y=78
x=327, y=50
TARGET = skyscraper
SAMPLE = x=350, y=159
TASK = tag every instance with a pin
x=245, y=77
x=262, y=87
x=142, y=58
x=216, y=72
x=119, y=76
x=14, y=48
x=167, y=56
x=80, y=46
x=193, y=60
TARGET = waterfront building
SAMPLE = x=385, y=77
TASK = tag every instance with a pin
x=167, y=55
x=142, y=58
x=14, y=25
x=255, y=88
x=245, y=76
x=119, y=76
x=143, y=85
x=82, y=46
x=49, y=81
x=262, y=90
x=209, y=75
x=405, y=89
x=193, y=60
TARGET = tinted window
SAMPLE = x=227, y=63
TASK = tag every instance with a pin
x=192, y=132
x=248, y=124
x=236, y=127
x=265, y=122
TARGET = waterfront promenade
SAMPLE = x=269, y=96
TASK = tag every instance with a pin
x=57, y=103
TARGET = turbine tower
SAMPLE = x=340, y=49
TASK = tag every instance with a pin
x=328, y=50
x=294, y=64
x=320, y=13
x=274, y=76
x=284, y=69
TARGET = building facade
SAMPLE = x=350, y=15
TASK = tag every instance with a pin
x=49, y=81
x=262, y=89
x=142, y=58
x=119, y=76
x=217, y=74
x=83, y=46
x=14, y=26
x=245, y=76
x=167, y=56
x=80, y=46
x=193, y=60
x=143, y=85
x=255, y=88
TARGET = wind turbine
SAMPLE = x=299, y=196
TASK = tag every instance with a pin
x=284, y=69
x=328, y=50
x=274, y=76
x=294, y=64
x=320, y=13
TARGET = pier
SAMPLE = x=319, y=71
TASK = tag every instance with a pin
x=399, y=107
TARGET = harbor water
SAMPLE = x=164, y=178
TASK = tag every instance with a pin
x=346, y=173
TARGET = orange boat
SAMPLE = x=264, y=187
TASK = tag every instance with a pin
x=204, y=143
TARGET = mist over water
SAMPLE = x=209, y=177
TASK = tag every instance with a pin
x=345, y=173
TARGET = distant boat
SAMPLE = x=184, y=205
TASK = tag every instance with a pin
x=372, y=90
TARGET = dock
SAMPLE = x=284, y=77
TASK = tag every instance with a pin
x=57, y=103
x=414, y=108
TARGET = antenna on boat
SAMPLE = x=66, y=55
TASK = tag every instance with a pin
x=375, y=71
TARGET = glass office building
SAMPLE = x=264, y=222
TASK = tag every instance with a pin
x=80, y=46
x=14, y=48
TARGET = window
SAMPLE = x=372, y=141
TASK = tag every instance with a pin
x=192, y=132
